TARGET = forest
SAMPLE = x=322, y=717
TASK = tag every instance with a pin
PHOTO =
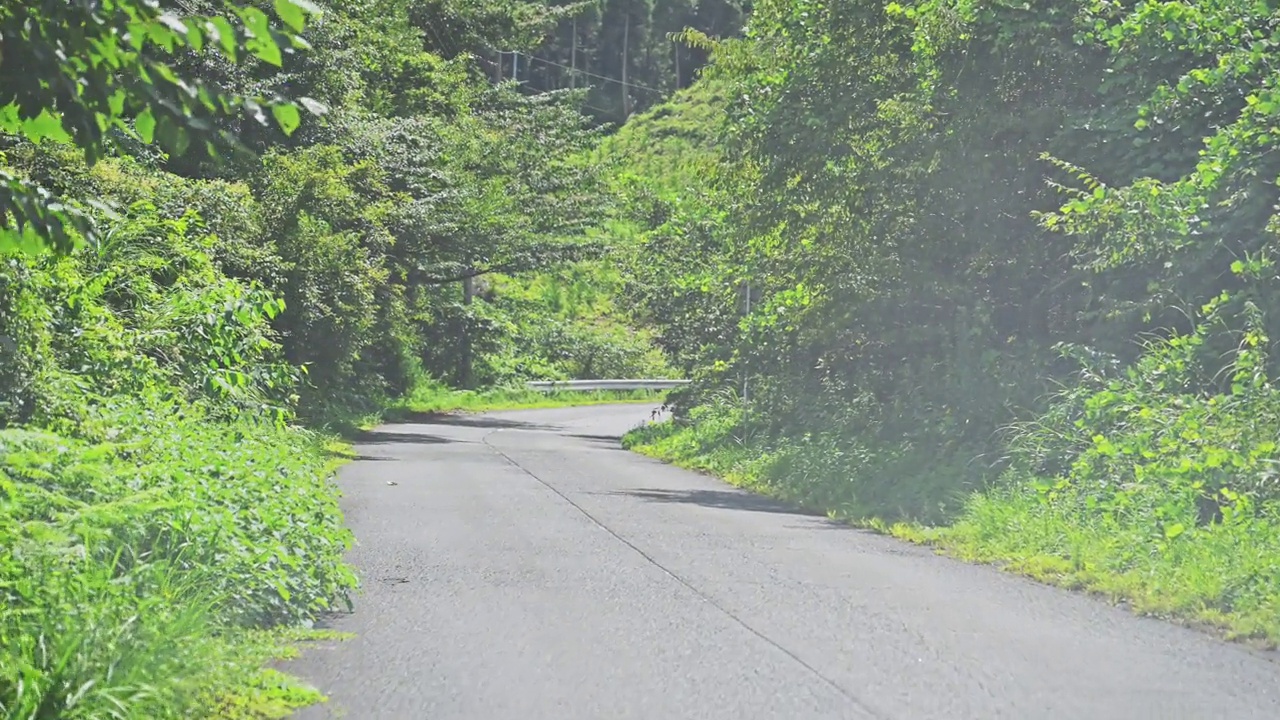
x=991, y=275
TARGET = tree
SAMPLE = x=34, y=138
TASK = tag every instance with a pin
x=76, y=71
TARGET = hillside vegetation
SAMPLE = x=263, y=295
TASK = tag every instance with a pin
x=1011, y=276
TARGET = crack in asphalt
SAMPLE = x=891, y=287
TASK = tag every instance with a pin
x=518, y=609
x=861, y=704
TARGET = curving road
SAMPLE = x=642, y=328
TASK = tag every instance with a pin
x=521, y=566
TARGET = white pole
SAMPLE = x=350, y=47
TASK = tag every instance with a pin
x=745, y=388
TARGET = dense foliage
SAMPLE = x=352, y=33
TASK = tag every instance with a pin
x=1013, y=249
x=75, y=71
x=155, y=493
x=1004, y=267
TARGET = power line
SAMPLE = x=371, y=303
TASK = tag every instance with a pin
x=589, y=106
x=591, y=74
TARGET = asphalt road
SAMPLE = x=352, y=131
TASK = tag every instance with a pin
x=522, y=566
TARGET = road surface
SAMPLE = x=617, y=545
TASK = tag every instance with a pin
x=521, y=566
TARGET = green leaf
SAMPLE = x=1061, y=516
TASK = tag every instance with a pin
x=226, y=35
x=1174, y=530
x=263, y=44
x=9, y=121
x=173, y=137
x=195, y=38
x=292, y=14
x=145, y=124
x=266, y=50
x=45, y=126
x=287, y=116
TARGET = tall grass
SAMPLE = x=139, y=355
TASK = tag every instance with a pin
x=135, y=554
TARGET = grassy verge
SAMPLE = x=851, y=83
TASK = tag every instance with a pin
x=256, y=691
x=143, y=552
x=1224, y=576
x=1145, y=550
x=432, y=398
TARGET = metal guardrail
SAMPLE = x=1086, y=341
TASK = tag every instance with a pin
x=590, y=385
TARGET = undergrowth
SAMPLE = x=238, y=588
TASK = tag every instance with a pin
x=441, y=399
x=162, y=500
x=158, y=503
x=136, y=553
x=261, y=692
x=1151, y=486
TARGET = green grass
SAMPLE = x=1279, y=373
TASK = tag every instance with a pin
x=431, y=398
x=1223, y=577
x=672, y=146
x=257, y=691
x=702, y=446
x=437, y=399
x=143, y=553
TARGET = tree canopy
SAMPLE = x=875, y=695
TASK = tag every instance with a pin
x=74, y=72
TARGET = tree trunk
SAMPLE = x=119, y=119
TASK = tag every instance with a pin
x=464, y=353
x=676, y=45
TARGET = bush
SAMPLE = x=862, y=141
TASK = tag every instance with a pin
x=154, y=500
x=128, y=548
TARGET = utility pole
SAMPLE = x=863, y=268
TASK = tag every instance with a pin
x=573, y=57
x=746, y=306
x=515, y=65
x=626, y=89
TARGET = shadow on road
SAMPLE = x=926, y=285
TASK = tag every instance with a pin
x=612, y=442
x=377, y=437
x=458, y=420
x=723, y=499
